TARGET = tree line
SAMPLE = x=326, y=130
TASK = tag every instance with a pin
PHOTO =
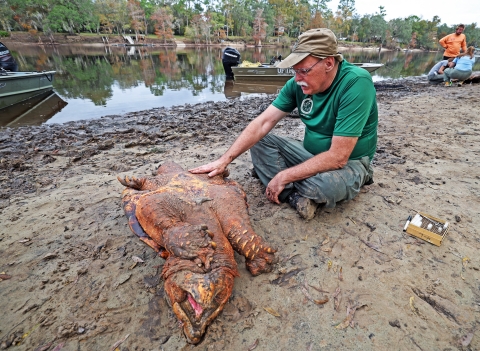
x=209, y=21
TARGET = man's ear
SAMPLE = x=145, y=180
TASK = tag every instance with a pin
x=329, y=63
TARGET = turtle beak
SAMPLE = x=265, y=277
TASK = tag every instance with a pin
x=197, y=299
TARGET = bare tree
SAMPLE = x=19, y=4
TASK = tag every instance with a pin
x=205, y=26
x=163, y=20
x=259, y=28
x=201, y=28
x=137, y=17
x=195, y=30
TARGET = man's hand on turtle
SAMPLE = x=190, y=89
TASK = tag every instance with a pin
x=213, y=168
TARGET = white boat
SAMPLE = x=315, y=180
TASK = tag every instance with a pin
x=18, y=86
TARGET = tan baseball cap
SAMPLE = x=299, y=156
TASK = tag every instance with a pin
x=318, y=42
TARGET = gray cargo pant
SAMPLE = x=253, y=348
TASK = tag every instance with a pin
x=453, y=73
x=273, y=154
x=435, y=78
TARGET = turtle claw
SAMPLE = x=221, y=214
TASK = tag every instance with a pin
x=132, y=182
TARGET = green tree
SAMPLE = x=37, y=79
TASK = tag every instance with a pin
x=301, y=18
x=363, y=27
x=243, y=14
x=444, y=30
x=70, y=17
x=6, y=16
x=30, y=15
x=472, y=33
x=180, y=16
x=225, y=7
x=401, y=31
x=284, y=8
x=218, y=21
x=378, y=26
x=344, y=15
x=112, y=14
x=425, y=32
x=322, y=7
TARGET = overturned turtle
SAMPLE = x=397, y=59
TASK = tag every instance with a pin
x=195, y=222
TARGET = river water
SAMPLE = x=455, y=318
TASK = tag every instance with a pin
x=94, y=81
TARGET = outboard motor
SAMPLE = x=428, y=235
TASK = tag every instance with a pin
x=275, y=60
x=7, y=62
x=230, y=58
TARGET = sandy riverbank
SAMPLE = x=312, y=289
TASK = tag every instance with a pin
x=67, y=249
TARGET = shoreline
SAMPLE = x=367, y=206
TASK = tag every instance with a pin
x=64, y=39
x=190, y=45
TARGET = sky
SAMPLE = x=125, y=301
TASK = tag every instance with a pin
x=453, y=13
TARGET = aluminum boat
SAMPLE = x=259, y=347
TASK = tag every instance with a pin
x=18, y=86
x=269, y=72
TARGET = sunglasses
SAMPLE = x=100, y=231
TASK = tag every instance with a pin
x=304, y=71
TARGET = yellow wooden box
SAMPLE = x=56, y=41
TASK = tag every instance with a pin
x=434, y=235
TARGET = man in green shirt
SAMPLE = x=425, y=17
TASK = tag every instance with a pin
x=337, y=103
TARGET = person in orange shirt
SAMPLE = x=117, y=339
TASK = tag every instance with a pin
x=453, y=42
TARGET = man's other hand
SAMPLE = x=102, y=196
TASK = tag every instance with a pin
x=275, y=187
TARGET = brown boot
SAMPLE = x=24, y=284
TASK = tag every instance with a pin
x=305, y=207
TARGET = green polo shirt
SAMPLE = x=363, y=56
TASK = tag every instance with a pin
x=347, y=108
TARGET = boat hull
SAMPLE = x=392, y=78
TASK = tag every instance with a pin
x=370, y=67
x=19, y=86
x=263, y=73
x=270, y=73
x=265, y=87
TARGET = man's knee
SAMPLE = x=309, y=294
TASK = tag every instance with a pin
x=266, y=141
x=339, y=185
x=258, y=152
x=435, y=78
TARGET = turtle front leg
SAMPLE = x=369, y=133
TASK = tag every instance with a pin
x=233, y=217
x=259, y=256
x=132, y=182
x=129, y=200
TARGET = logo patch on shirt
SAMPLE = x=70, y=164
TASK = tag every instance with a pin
x=306, y=106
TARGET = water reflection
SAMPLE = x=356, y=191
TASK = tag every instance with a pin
x=264, y=87
x=34, y=111
x=97, y=80
x=228, y=89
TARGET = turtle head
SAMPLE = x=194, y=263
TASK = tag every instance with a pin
x=198, y=298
